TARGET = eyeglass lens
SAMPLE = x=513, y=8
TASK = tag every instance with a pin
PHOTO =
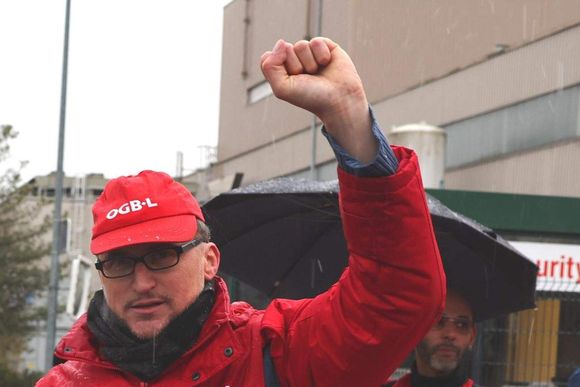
x=154, y=260
x=461, y=324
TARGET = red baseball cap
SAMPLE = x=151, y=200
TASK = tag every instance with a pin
x=148, y=208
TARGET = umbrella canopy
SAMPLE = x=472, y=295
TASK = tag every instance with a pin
x=284, y=238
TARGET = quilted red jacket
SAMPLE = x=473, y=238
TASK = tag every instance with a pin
x=354, y=334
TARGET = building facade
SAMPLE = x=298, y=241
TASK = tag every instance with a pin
x=502, y=78
x=79, y=194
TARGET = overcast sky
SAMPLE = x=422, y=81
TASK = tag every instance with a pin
x=143, y=83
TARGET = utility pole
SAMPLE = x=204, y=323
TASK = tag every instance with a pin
x=56, y=229
x=314, y=128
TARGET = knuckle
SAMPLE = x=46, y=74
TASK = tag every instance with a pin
x=301, y=46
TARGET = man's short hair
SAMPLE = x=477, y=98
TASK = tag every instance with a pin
x=203, y=231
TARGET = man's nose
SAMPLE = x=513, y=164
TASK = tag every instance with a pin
x=449, y=331
x=143, y=278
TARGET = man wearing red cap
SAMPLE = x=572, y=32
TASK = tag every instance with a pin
x=164, y=318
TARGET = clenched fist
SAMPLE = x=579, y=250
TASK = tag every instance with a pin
x=320, y=77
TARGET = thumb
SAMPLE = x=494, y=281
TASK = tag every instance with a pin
x=273, y=68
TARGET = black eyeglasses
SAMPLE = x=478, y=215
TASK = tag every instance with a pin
x=160, y=259
x=461, y=324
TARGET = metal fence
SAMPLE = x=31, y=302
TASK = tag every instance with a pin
x=531, y=348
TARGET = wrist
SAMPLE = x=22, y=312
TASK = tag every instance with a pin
x=350, y=126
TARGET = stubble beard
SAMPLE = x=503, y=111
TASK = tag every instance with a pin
x=148, y=327
x=430, y=356
x=146, y=330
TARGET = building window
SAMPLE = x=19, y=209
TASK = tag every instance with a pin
x=259, y=92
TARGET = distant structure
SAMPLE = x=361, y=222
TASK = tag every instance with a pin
x=79, y=194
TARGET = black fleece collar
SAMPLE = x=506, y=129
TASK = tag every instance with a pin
x=147, y=359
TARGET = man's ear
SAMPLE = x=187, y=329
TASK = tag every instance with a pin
x=212, y=260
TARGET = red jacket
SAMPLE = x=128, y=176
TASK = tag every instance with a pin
x=405, y=381
x=354, y=334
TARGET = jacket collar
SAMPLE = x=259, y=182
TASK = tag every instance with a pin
x=80, y=344
x=456, y=379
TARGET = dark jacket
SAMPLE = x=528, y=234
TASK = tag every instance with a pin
x=413, y=379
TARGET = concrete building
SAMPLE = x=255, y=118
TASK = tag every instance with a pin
x=79, y=194
x=501, y=77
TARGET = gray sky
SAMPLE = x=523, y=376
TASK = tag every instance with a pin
x=143, y=83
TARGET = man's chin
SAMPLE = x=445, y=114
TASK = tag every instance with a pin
x=444, y=365
x=145, y=330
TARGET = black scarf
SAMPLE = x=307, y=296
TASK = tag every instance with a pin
x=147, y=358
x=455, y=379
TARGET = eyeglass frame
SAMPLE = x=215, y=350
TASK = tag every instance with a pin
x=179, y=250
x=442, y=322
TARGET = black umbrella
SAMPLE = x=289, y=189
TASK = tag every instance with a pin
x=284, y=238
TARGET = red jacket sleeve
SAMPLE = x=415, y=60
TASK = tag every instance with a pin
x=393, y=290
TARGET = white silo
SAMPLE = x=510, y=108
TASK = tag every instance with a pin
x=428, y=141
